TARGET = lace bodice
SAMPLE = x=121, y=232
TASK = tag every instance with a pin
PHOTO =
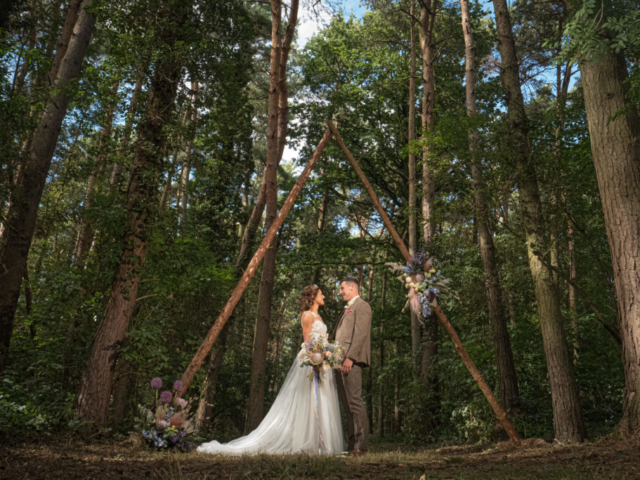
x=318, y=328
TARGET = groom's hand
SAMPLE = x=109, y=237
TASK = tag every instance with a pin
x=346, y=365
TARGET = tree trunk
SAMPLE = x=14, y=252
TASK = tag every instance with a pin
x=126, y=134
x=186, y=166
x=207, y=394
x=122, y=384
x=508, y=382
x=567, y=415
x=411, y=135
x=70, y=21
x=166, y=191
x=21, y=74
x=86, y=229
x=249, y=234
x=322, y=215
x=616, y=156
x=416, y=332
x=93, y=400
x=383, y=302
x=277, y=89
x=427, y=21
x=25, y=199
x=430, y=349
x=370, y=381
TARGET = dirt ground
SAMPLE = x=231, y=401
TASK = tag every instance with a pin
x=101, y=460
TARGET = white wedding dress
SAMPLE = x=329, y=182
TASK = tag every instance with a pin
x=293, y=424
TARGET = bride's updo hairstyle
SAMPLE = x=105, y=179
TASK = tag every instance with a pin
x=307, y=297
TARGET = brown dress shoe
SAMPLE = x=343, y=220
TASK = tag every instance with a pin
x=359, y=453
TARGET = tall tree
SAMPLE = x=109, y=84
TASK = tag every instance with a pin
x=276, y=136
x=501, y=342
x=427, y=43
x=93, y=399
x=25, y=199
x=567, y=414
x=186, y=166
x=614, y=129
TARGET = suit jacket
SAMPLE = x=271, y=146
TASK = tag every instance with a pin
x=353, y=332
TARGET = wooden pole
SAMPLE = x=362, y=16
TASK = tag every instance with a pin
x=372, y=194
x=225, y=313
x=475, y=373
x=501, y=415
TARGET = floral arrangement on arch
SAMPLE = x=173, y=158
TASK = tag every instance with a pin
x=167, y=424
x=423, y=282
x=320, y=355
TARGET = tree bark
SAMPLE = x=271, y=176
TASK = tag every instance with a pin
x=70, y=21
x=616, y=155
x=567, y=415
x=207, y=394
x=93, y=399
x=123, y=382
x=427, y=22
x=508, y=382
x=411, y=135
x=430, y=350
x=25, y=199
x=275, y=146
x=383, y=304
x=416, y=332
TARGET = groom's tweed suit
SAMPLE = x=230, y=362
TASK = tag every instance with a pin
x=353, y=332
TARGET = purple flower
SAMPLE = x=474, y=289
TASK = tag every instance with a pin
x=166, y=396
x=177, y=385
x=156, y=383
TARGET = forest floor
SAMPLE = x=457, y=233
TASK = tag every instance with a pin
x=72, y=459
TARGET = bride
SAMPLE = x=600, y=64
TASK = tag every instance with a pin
x=295, y=424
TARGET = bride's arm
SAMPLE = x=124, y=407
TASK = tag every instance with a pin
x=307, y=321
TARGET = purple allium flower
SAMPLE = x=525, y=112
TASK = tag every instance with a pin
x=156, y=383
x=166, y=396
x=177, y=385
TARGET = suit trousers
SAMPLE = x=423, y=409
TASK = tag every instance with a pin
x=350, y=393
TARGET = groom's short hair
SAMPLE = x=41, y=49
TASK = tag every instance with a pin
x=351, y=280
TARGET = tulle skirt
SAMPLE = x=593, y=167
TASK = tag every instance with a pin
x=295, y=423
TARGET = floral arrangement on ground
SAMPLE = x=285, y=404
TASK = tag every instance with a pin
x=166, y=425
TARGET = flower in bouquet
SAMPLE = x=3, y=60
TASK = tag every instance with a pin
x=156, y=383
x=177, y=385
x=319, y=354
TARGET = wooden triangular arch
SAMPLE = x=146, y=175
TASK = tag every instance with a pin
x=248, y=274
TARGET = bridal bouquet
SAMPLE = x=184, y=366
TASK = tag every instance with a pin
x=320, y=354
x=166, y=424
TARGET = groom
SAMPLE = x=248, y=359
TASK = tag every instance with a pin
x=353, y=332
